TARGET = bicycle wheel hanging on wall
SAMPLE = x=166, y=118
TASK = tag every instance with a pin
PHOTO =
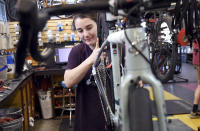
x=164, y=50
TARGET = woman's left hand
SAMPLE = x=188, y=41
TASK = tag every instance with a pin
x=95, y=52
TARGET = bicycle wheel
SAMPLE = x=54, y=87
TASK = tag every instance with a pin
x=140, y=118
x=164, y=51
x=106, y=93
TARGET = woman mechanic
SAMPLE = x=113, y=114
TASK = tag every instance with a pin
x=89, y=114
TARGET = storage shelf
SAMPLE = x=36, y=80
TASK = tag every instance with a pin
x=61, y=96
x=58, y=97
x=66, y=106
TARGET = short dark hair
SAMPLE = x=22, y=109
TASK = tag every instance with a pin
x=92, y=16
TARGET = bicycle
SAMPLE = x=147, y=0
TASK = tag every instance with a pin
x=137, y=64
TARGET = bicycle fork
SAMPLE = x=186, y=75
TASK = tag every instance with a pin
x=136, y=66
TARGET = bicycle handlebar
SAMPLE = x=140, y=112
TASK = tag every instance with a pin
x=76, y=8
x=32, y=21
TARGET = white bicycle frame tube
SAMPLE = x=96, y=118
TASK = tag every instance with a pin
x=115, y=56
x=136, y=66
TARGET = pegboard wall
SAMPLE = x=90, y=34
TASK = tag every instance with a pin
x=52, y=26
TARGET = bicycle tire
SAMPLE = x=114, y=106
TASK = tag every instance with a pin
x=106, y=96
x=139, y=108
x=166, y=50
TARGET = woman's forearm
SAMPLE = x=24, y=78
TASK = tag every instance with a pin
x=75, y=75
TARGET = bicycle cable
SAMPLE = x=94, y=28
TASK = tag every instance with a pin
x=133, y=46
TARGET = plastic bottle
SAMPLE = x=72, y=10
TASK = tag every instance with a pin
x=11, y=66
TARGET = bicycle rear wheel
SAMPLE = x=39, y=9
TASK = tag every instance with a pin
x=140, y=118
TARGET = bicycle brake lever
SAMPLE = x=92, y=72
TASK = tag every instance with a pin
x=31, y=23
x=40, y=21
x=23, y=7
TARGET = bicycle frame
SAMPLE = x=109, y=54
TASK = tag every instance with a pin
x=135, y=66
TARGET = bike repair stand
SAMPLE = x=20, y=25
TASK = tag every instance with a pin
x=177, y=78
